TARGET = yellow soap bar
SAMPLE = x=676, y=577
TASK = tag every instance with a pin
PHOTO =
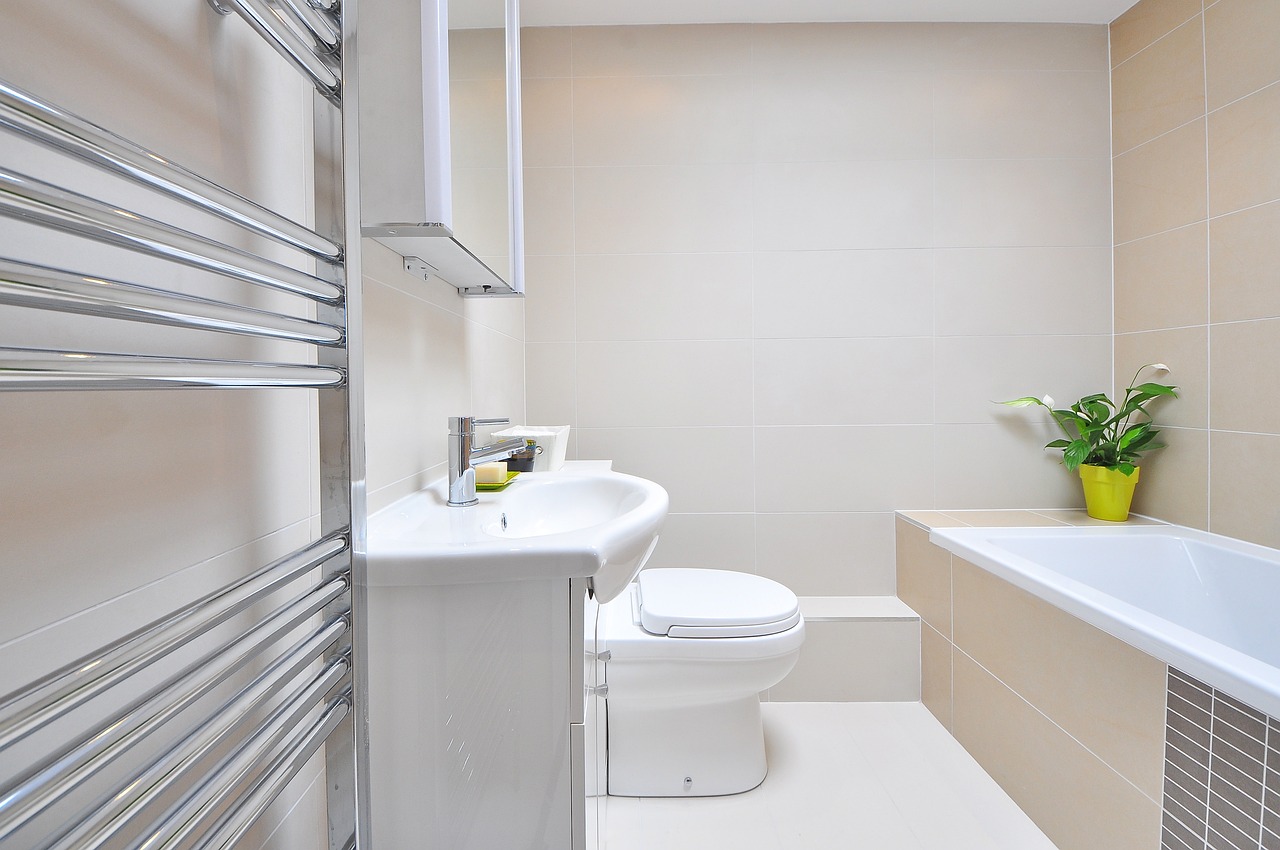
x=492, y=473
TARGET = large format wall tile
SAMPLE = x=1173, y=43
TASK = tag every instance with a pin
x=1243, y=251
x=1244, y=152
x=1162, y=281
x=1160, y=185
x=1239, y=39
x=1147, y=22
x=1102, y=692
x=1159, y=89
x=1079, y=802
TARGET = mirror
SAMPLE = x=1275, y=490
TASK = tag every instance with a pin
x=485, y=134
x=440, y=161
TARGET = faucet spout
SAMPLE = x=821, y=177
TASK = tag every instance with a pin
x=463, y=456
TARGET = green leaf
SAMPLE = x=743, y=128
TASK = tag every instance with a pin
x=1075, y=453
x=1156, y=389
x=1126, y=468
x=1026, y=401
x=1057, y=444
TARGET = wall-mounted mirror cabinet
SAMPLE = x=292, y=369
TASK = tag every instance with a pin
x=440, y=162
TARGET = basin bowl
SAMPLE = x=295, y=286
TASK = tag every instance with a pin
x=593, y=523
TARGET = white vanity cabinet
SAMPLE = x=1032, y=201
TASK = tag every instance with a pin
x=479, y=709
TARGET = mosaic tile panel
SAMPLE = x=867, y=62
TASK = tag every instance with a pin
x=1221, y=771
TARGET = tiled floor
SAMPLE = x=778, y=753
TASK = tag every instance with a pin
x=871, y=776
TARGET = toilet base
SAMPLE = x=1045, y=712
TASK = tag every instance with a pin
x=702, y=750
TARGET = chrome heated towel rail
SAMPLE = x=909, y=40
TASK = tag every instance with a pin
x=200, y=717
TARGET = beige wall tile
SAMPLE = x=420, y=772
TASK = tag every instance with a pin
x=546, y=52
x=993, y=291
x=825, y=206
x=855, y=661
x=862, y=293
x=549, y=211
x=1147, y=21
x=546, y=136
x=830, y=554
x=894, y=466
x=551, y=373
x=649, y=50
x=924, y=576
x=1245, y=385
x=1242, y=487
x=974, y=372
x=1104, y=693
x=663, y=296
x=1020, y=47
x=935, y=674
x=662, y=209
x=1186, y=352
x=881, y=115
x=1244, y=152
x=1239, y=40
x=816, y=50
x=829, y=381
x=1002, y=465
x=1243, y=253
x=932, y=519
x=417, y=376
x=549, y=309
x=497, y=374
x=661, y=120
x=708, y=542
x=1034, y=203
x=705, y=470
x=1175, y=480
x=1021, y=114
x=1158, y=89
x=1079, y=802
x=664, y=383
x=1160, y=185
x=1162, y=281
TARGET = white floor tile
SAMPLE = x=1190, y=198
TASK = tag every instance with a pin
x=841, y=775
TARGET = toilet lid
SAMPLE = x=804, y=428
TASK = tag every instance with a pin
x=714, y=603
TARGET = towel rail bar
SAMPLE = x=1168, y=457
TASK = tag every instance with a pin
x=90, y=675
x=189, y=818
x=44, y=288
x=28, y=369
x=319, y=25
x=28, y=199
x=254, y=802
x=268, y=24
x=26, y=114
x=46, y=783
x=100, y=822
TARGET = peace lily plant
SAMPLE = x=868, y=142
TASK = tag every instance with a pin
x=1105, y=440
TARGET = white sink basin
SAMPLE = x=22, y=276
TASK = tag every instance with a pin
x=599, y=524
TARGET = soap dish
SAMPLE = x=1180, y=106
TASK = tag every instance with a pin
x=493, y=488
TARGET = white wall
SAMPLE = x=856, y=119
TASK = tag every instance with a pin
x=784, y=270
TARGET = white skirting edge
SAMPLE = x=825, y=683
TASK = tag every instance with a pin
x=818, y=609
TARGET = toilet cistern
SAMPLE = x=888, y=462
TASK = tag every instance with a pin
x=463, y=456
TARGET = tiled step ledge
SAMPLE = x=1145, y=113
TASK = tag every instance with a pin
x=857, y=649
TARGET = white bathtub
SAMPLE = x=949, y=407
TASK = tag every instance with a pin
x=1206, y=604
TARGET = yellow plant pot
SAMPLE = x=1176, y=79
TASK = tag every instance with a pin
x=1107, y=492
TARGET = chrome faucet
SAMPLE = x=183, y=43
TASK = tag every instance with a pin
x=463, y=456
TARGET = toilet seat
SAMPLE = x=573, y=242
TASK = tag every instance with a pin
x=691, y=603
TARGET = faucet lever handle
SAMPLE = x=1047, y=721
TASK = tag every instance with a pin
x=500, y=421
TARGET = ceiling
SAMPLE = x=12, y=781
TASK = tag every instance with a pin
x=540, y=13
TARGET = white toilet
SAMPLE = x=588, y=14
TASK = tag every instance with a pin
x=689, y=653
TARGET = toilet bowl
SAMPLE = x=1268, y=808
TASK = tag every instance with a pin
x=689, y=653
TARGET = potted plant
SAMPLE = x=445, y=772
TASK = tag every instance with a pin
x=1104, y=440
